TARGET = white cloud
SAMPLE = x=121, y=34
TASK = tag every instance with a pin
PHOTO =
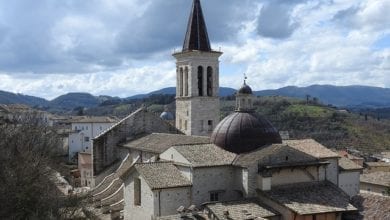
x=122, y=47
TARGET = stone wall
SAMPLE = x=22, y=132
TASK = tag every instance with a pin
x=297, y=175
x=147, y=207
x=105, y=150
x=349, y=182
x=332, y=171
x=213, y=179
x=195, y=110
x=167, y=201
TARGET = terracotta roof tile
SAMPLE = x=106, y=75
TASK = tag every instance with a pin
x=275, y=154
x=371, y=206
x=241, y=209
x=310, y=198
x=347, y=164
x=205, y=155
x=378, y=164
x=161, y=175
x=92, y=119
x=160, y=142
x=379, y=178
x=311, y=147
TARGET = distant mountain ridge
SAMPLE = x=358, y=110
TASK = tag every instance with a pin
x=337, y=95
x=12, y=98
x=342, y=96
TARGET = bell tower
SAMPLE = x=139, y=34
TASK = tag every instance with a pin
x=197, y=79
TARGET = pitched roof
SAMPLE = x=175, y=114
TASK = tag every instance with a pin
x=159, y=142
x=371, y=206
x=187, y=216
x=347, y=164
x=161, y=175
x=377, y=164
x=312, y=147
x=92, y=119
x=379, y=178
x=241, y=209
x=310, y=198
x=196, y=36
x=205, y=155
x=275, y=154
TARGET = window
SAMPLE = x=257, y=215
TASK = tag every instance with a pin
x=180, y=122
x=200, y=80
x=137, y=191
x=185, y=125
x=86, y=139
x=209, y=81
x=201, y=125
x=210, y=124
x=214, y=196
x=186, y=81
x=86, y=128
x=101, y=128
x=181, y=81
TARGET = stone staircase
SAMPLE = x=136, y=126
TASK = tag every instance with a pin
x=107, y=197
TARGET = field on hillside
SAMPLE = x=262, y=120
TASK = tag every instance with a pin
x=332, y=127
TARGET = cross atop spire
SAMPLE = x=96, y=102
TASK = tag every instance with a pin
x=196, y=36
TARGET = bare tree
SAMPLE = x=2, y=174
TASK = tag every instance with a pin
x=27, y=149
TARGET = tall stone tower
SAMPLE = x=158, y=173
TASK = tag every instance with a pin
x=197, y=68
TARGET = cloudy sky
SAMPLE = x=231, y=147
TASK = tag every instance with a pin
x=124, y=47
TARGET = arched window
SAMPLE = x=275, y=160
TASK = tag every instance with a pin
x=209, y=81
x=181, y=81
x=186, y=81
x=200, y=80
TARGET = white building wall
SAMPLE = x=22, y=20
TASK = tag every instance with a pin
x=134, y=212
x=213, y=179
x=185, y=171
x=83, y=133
x=332, y=170
x=251, y=180
x=349, y=182
x=289, y=176
x=172, y=155
x=166, y=201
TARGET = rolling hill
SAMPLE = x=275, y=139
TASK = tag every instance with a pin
x=356, y=97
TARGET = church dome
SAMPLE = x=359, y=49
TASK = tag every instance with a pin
x=245, y=89
x=168, y=116
x=242, y=132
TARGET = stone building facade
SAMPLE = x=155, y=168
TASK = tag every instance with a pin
x=197, y=79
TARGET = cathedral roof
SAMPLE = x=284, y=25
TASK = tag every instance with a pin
x=312, y=147
x=162, y=175
x=241, y=209
x=196, y=36
x=242, y=132
x=310, y=198
x=159, y=142
x=275, y=154
x=205, y=155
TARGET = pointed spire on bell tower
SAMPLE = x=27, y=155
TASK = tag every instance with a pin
x=196, y=36
x=197, y=79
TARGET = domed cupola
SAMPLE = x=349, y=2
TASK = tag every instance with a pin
x=244, y=130
x=167, y=115
x=245, y=89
